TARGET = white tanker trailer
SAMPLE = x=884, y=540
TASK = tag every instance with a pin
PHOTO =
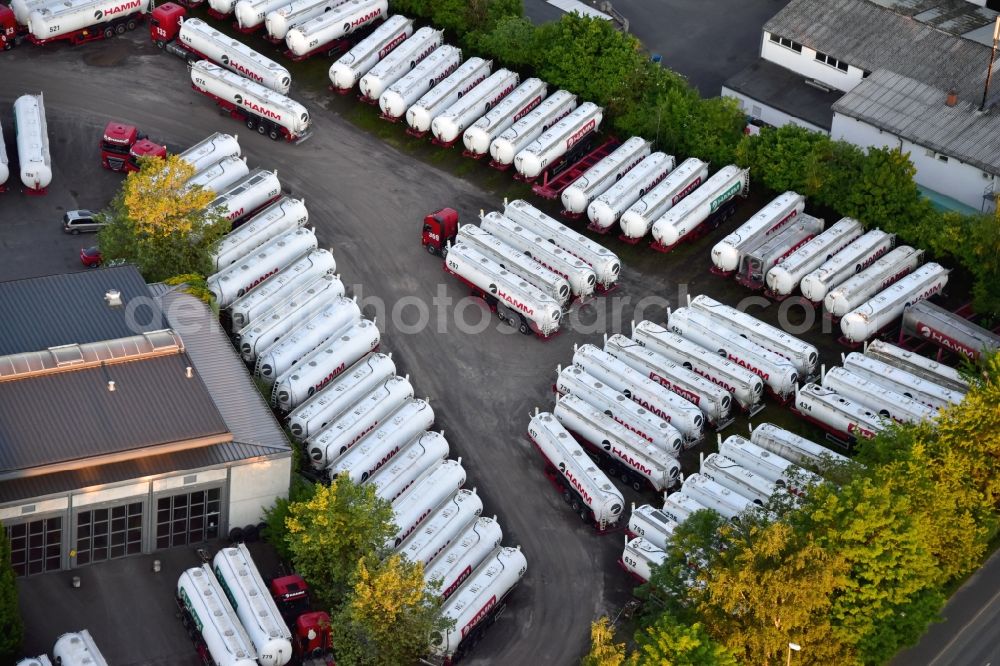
x=442, y=528
x=282, y=216
x=516, y=261
x=452, y=566
x=794, y=448
x=727, y=503
x=288, y=281
x=435, y=101
x=651, y=524
x=279, y=21
x=523, y=131
x=885, y=402
x=416, y=457
x=323, y=364
x=536, y=310
x=803, y=355
x=553, y=143
x=408, y=419
x=319, y=411
x=836, y=414
x=207, y=611
x=585, y=487
x=605, y=263
x=653, y=396
x=604, y=211
x=771, y=466
x=949, y=331
x=40, y=660
x=32, y=137
x=322, y=32
x=238, y=279
x=767, y=221
x=778, y=373
x=638, y=462
x=452, y=122
x=423, y=497
x=278, y=358
x=401, y=60
x=730, y=474
x=261, y=108
x=211, y=150
x=525, y=98
x=858, y=289
x=268, y=330
x=22, y=9
x=256, y=610
x=896, y=379
x=746, y=388
x=480, y=599
x=347, y=70
x=574, y=380
x=581, y=277
x=757, y=260
x=4, y=165
x=218, y=177
x=197, y=39
x=596, y=180
x=918, y=365
x=785, y=277
x=679, y=506
x=713, y=400
x=247, y=196
x=76, y=649
x=853, y=259
x=327, y=449
x=886, y=307
x=80, y=21
x=640, y=557
x=638, y=219
x=429, y=72
x=708, y=205
x=250, y=14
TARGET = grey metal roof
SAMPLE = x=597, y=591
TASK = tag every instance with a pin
x=869, y=36
x=72, y=417
x=245, y=412
x=37, y=313
x=786, y=91
x=918, y=113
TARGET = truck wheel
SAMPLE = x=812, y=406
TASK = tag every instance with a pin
x=251, y=124
x=160, y=43
x=261, y=129
x=109, y=33
x=120, y=29
x=524, y=328
x=636, y=485
x=430, y=249
x=274, y=134
x=131, y=24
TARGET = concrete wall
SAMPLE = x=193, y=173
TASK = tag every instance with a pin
x=769, y=115
x=805, y=63
x=960, y=181
x=254, y=487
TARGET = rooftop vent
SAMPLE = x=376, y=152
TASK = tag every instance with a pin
x=111, y=385
x=113, y=298
x=952, y=98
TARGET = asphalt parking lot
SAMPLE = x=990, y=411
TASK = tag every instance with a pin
x=366, y=186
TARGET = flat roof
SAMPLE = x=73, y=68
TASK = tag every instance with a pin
x=786, y=91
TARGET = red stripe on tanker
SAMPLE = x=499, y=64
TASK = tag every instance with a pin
x=553, y=143
x=925, y=390
x=886, y=402
x=881, y=310
x=443, y=527
x=516, y=261
x=206, y=42
x=637, y=220
x=605, y=210
x=885, y=271
x=785, y=277
x=415, y=457
x=833, y=412
x=427, y=494
x=429, y=72
x=948, y=330
x=283, y=215
x=694, y=209
x=240, y=278
x=279, y=21
x=65, y=20
x=319, y=32
x=434, y=102
x=851, y=260
x=768, y=220
x=400, y=61
x=452, y=566
x=519, y=135
x=449, y=125
x=513, y=107
x=279, y=357
x=596, y=180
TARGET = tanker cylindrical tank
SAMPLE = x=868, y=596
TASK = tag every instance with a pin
x=50, y=21
x=866, y=320
x=513, y=107
x=640, y=557
x=730, y=474
x=949, y=331
x=652, y=524
x=402, y=59
x=685, y=218
x=596, y=180
x=794, y=448
x=455, y=563
x=449, y=125
x=250, y=14
x=522, y=132
x=759, y=258
x=912, y=386
x=211, y=150
x=728, y=503
x=277, y=359
x=441, y=528
x=680, y=506
x=436, y=100
x=426, y=495
x=605, y=210
x=283, y=215
x=4, y=162
x=416, y=457
x=77, y=648
x=785, y=277
x=237, y=279
x=219, y=177
x=22, y=8
x=853, y=259
x=347, y=70
x=556, y=141
x=40, y=660
x=247, y=196
x=207, y=42
x=516, y=261
x=203, y=598
x=769, y=219
x=32, y=137
x=315, y=34
x=279, y=21
x=640, y=216
x=886, y=402
x=856, y=290
x=837, y=414
x=429, y=72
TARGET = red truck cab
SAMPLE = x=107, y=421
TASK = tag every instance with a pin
x=165, y=22
x=440, y=229
x=144, y=148
x=311, y=640
x=8, y=28
x=116, y=143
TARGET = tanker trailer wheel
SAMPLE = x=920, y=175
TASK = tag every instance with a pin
x=584, y=515
x=160, y=43
x=575, y=505
x=523, y=327
x=251, y=124
x=567, y=497
x=109, y=33
x=131, y=24
x=120, y=29
x=636, y=485
x=261, y=129
x=274, y=134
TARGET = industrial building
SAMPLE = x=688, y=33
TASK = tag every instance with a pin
x=128, y=423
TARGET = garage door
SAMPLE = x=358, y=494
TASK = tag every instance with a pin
x=108, y=533
x=188, y=518
x=36, y=546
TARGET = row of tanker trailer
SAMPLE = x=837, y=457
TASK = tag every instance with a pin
x=32, y=141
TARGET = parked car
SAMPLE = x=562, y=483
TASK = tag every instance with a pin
x=90, y=256
x=77, y=221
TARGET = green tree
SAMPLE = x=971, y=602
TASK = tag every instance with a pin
x=715, y=131
x=511, y=43
x=884, y=194
x=603, y=649
x=390, y=615
x=11, y=626
x=668, y=642
x=276, y=516
x=780, y=157
x=160, y=224
x=330, y=532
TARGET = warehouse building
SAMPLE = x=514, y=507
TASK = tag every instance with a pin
x=128, y=423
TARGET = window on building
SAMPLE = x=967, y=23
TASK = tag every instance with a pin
x=831, y=61
x=36, y=546
x=109, y=533
x=188, y=518
x=787, y=43
x=942, y=158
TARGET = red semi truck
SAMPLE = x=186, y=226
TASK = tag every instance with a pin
x=122, y=145
x=440, y=228
x=8, y=28
x=310, y=628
